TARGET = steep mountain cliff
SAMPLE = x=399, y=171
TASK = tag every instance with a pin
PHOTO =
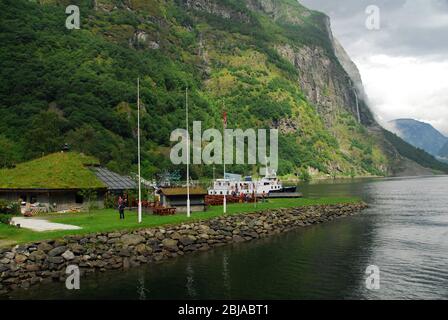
x=268, y=63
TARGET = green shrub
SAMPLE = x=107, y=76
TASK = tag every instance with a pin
x=90, y=196
x=5, y=218
x=109, y=201
x=304, y=175
x=9, y=208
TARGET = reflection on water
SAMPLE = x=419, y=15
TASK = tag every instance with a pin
x=190, y=281
x=226, y=276
x=141, y=289
x=404, y=233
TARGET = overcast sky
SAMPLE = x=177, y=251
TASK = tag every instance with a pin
x=404, y=64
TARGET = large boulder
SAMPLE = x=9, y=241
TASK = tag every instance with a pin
x=124, y=252
x=55, y=260
x=132, y=239
x=32, y=267
x=57, y=251
x=20, y=258
x=76, y=248
x=44, y=246
x=68, y=255
x=170, y=244
x=143, y=249
x=185, y=241
x=37, y=255
x=175, y=236
x=114, y=235
x=9, y=255
x=5, y=261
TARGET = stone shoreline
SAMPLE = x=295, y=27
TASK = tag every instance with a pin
x=45, y=261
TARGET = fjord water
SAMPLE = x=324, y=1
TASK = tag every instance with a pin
x=404, y=233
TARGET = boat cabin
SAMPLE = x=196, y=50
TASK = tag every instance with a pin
x=246, y=186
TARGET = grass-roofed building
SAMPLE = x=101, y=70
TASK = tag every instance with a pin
x=56, y=181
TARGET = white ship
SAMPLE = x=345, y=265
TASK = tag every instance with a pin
x=233, y=184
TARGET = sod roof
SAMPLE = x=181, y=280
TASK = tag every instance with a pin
x=194, y=191
x=68, y=170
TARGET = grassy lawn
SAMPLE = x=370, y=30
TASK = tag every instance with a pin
x=108, y=219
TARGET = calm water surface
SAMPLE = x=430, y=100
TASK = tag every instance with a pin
x=404, y=233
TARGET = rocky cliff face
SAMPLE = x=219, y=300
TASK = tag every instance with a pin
x=321, y=77
x=321, y=80
x=362, y=110
x=280, y=11
x=217, y=8
x=330, y=82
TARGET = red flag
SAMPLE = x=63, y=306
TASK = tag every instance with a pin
x=224, y=116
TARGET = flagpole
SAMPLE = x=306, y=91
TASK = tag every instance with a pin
x=139, y=158
x=224, y=162
x=255, y=194
x=188, y=155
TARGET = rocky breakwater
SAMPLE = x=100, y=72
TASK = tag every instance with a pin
x=46, y=261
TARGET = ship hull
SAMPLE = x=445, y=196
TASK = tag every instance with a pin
x=291, y=189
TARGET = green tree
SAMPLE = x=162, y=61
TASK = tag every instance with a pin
x=45, y=134
x=304, y=175
x=90, y=197
x=9, y=152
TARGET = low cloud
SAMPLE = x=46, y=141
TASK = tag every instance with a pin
x=407, y=87
x=404, y=65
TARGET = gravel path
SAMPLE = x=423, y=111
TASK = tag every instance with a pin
x=41, y=224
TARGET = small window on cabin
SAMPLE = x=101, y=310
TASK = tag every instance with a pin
x=79, y=199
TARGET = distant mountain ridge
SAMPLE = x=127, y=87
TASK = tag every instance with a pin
x=421, y=135
x=424, y=159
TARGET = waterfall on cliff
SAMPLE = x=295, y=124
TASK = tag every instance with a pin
x=356, y=100
x=357, y=106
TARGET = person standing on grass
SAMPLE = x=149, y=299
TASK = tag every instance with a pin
x=121, y=207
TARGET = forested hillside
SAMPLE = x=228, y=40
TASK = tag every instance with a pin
x=418, y=155
x=269, y=64
x=419, y=134
x=444, y=151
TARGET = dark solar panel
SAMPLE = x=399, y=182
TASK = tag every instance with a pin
x=114, y=181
